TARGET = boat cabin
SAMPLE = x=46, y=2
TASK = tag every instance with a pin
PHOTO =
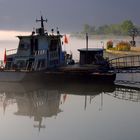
x=38, y=51
x=91, y=56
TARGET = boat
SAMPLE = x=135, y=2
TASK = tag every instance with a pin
x=39, y=56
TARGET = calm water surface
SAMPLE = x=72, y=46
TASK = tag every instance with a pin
x=72, y=111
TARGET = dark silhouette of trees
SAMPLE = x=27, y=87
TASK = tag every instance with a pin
x=113, y=29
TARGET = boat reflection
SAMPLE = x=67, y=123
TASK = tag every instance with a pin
x=126, y=93
x=43, y=100
x=81, y=88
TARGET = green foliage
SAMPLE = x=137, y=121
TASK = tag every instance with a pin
x=123, y=46
x=115, y=29
x=109, y=44
x=89, y=29
x=126, y=26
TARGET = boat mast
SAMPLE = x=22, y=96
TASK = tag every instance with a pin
x=42, y=22
x=86, y=48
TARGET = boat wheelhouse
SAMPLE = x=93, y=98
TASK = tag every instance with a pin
x=38, y=51
x=91, y=55
x=40, y=56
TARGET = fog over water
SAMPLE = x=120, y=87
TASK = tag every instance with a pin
x=67, y=110
x=8, y=40
x=73, y=44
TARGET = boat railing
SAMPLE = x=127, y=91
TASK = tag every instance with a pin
x=10, y=66
x=25, y=63
x=40, y=52
x=6, y=66
x=53, y=55
x=1, y=64
x=11, y=51
x=29, y=66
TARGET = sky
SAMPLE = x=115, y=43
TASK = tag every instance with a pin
x=68, y=15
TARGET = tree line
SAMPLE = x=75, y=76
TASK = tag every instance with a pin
x=113, y=29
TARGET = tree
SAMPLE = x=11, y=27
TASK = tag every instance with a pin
x=103, y=29
x=115, y=29
x=89, y=29
x=126, y=26
x=86, y=28
x=133, y=33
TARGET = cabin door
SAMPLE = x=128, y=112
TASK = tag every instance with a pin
x=53, y=53
x=34, y=45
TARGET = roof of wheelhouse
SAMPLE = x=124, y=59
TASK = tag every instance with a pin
x=41, y=32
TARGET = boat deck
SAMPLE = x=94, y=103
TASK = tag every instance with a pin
x=81, y=68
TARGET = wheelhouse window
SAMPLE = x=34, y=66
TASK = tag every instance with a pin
x=23, y=46
x=53, y=45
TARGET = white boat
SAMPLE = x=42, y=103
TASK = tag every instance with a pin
x=40, y=56
x=35, y=54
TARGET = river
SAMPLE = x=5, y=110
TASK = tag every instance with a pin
x=70, y=111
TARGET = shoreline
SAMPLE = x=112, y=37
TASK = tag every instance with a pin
x=133, y=51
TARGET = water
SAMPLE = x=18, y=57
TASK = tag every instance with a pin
x=70, y=111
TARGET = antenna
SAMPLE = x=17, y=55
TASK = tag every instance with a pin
x=41, y=30
x=86, y=48
x=42, y=21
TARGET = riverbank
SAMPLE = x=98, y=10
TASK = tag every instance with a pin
x=133, y=51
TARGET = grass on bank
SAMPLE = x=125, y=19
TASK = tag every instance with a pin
x=121, y=46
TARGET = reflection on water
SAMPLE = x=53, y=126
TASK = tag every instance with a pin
x=39, y=100
x=126, y=93
x=38, y=105
x=70, y=110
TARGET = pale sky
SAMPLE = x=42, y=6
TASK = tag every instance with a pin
x=68, y=15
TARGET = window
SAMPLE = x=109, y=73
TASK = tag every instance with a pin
x=53, y=45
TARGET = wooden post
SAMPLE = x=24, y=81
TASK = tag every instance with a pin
x=86, y=48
